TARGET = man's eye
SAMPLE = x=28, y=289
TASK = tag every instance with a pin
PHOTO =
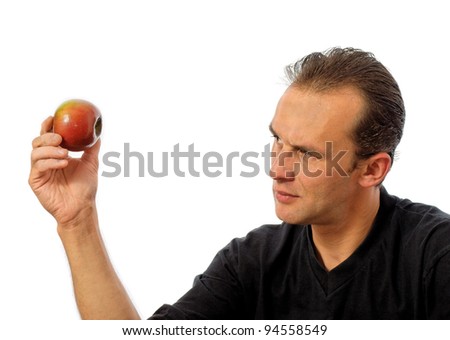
x=276, y=138
x=301, y=153
x=313, y=154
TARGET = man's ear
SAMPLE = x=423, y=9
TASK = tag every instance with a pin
x=374, y=169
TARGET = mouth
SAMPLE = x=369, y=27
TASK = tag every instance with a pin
x=284, y=197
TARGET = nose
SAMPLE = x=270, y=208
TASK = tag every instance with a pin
x=284, y=167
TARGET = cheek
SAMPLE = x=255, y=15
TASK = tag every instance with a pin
x=323, y=188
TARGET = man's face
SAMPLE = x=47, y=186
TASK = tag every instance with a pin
x=315, y=181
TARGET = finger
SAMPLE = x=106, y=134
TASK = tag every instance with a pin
x=47, y=125
x=91, y=154
x=47, y=139
x=44, y=165
x=48, y=152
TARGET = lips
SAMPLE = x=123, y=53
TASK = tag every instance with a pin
x=284, y=197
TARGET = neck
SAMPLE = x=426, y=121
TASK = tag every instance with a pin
x=335, y=242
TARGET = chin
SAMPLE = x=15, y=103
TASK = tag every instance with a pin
x=289, y=217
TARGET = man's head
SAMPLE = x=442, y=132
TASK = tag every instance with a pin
x=336, y=128
x=380, y=126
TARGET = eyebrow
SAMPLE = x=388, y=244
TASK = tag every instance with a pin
x=303, y=148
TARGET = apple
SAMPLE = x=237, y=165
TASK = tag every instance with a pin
x=79, y=123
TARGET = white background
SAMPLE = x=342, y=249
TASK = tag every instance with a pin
x=203, y=72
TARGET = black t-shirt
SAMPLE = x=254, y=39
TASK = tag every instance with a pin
x=400, y=271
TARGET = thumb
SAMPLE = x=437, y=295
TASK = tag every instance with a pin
x=91, y=154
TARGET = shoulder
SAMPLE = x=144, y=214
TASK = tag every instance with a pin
x=421, y=218
x=413, y=215
x=425, y=229
x=420, y=213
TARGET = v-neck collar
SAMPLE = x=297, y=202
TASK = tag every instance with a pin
x=344, y=272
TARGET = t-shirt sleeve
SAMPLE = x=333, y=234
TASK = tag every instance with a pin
x=437, y=288
x=215, y=295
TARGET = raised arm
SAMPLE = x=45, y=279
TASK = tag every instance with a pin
x=66, y=187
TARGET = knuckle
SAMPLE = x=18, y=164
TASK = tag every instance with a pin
x=47, y=139
x=38, y=165
x=36, y=142
x=55, y=138
x=33, y=156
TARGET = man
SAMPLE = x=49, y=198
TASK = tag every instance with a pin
x=346, y=248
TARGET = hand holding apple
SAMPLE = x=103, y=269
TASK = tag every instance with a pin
x=79, y=123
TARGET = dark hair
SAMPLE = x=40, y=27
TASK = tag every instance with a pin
x=380, y=127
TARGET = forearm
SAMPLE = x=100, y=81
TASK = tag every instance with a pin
x=98, y=291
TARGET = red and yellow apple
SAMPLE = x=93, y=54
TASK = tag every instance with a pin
x=79, y=123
